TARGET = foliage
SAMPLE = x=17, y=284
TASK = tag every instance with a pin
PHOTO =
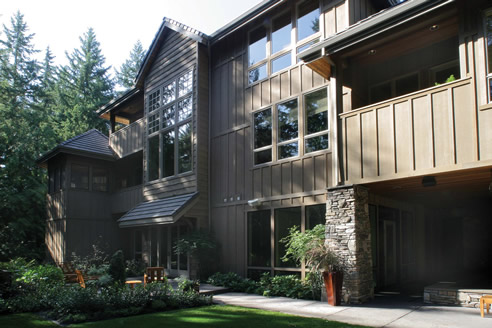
x=200, y=245
x=134, y=268
x=233, y=281
x=117, y=267
x=127, y=73
x=96, y=261
x=186, y=285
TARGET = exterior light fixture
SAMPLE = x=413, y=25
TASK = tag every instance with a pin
x=434, y=27
x=429, y=181
x=371, y=52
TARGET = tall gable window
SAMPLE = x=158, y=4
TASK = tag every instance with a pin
x=488, y=31
x=271, y=47
x=280, y=130
x=169, y=127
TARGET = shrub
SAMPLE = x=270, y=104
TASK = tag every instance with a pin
x=135, y=268
x=117, y=267
x=186, y=285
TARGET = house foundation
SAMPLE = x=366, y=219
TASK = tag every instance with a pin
x=348, y=232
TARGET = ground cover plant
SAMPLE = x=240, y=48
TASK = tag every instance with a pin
x=216, y=316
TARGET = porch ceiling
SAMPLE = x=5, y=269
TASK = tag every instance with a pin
x=465, y=186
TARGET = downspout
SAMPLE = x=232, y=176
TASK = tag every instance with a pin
x=209, y=141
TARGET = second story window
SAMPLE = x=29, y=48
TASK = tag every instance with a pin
x=272, y=47
x=170, y=129
x=488, y=32
x=277, y=134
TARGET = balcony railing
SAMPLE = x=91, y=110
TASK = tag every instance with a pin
x=427, y=131
x=129, y=139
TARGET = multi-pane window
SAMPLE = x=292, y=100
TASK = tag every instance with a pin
x=267, y=228
x=99, y=179
x=170, y=143
x=488, y=31
x=285, y=123
x=271, y=48
x=79, y=176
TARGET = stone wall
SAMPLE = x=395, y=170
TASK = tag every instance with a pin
x=348, y=232
x=448, y=294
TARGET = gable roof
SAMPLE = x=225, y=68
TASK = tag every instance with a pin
x=92, y=144
x=167, y=24
x=162, y=211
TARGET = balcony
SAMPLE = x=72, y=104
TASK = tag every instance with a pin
x=129, y=139
x=427, y=131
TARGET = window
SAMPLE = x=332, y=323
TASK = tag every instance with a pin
x=285, y=121
x=396, y=87
x=79, y=178
x=170, y=129
x=56, y=178
x=271, y=48
x=267, y=228
x=99, y=179
x=488, y=31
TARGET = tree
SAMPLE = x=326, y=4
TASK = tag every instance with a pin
x=22, y=183
x=127, y=73
x=84, y=86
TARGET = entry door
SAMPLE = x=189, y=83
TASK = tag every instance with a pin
x=178, y=263
x=390, y=253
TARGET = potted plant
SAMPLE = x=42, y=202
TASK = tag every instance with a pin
x=318, y=257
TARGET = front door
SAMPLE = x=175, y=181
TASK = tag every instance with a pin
x=390, y=258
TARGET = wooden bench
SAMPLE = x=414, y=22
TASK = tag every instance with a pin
x=485, y=301
x=153, y=274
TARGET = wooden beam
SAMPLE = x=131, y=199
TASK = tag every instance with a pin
x=322, y=66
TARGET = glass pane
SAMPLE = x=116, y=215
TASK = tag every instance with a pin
x=169, y=93
x=308, y=21
x=315, y=214
x=306, y=46
x=287, y=120
x=263, y=128
x=99, y=179
x=153, y=101
x=288, y=150
x=259, y=239
x=316, y=111
x=163, y=248
x=285, y=218
x=174, y=256
x=447, y=74
x=257, y=46
x=153, y=159
x=184, y=148
x=406, y=85
x=184, y=108
x=489, y=41
x=185, y=84
x=168, y=154
x=153, y=124
x=80, y=177
x=381, y=92
x=263, y=156
x=168, y=117
x=138, y=241
x=317, y=143
x=258, y=73
x=281, y=62
x=183, y=258
x=281, y=33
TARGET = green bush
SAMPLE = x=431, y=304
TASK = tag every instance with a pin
x=117, y=267
x=134, y=268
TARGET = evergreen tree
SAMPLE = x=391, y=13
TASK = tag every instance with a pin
x=127, y=73
x=84, y=86
x=22, y=183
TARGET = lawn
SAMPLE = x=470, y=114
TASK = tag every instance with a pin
x=216, y=316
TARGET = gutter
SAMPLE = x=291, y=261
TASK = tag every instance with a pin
x=372, y=26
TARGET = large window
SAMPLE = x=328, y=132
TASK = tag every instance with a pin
x=79, y=177
x=271, y=48
x=169, y=126
x=285, y=123
x=488, y=31
x=267, y=228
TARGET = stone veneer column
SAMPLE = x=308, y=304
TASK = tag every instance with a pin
x=348, y=232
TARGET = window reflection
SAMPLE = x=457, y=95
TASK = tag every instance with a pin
x=308, y=21
x=258, y=73
x=287, y=120
x=281, y=33
x=316, y=111
x=263, y=128
x=184, y=148
x=257, y=46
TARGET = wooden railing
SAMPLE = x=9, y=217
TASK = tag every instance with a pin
x=129, y=139
x=427, y=131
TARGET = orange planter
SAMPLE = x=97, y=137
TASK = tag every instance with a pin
x=333, y=284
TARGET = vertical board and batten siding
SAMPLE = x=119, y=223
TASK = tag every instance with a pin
x=56, y=204
x=54, y=238
x=125, y=199
x=129, y=139
x=432, y=130
x=177, y=55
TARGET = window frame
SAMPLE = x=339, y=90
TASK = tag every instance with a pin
x=302, y=135
x=488, y=70
x=161, y=129
x=291, y=49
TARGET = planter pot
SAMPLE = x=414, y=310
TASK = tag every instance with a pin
x=333, y=284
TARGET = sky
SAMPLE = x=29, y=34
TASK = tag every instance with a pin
x=117, y=24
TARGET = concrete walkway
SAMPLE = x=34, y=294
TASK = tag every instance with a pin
x=382, y=312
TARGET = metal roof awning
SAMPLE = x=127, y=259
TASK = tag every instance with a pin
x=161, y=211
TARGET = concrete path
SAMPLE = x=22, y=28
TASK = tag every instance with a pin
x=378, y=313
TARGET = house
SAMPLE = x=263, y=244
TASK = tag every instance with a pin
x=373, y=117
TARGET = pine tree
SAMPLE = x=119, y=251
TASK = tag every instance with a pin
x=84, y=86
x=128, y=70
x=22, y=183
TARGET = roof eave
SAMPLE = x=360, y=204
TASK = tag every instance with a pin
x=128, y=95
x=67, y=150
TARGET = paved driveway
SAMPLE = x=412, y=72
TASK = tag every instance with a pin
x=378, y=313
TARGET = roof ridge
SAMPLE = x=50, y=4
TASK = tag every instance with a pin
x=184, y=27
